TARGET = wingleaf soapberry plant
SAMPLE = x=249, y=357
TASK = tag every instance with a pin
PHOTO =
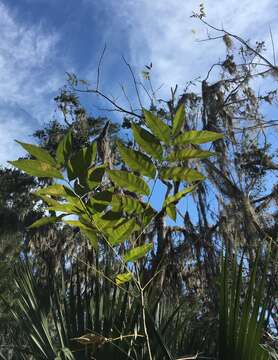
x=112, y=206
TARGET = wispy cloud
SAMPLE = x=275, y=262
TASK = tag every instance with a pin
x=29, y=76
x=161, y=32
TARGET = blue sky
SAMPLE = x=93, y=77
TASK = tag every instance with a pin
x=43, y=39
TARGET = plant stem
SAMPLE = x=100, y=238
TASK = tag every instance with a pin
x=145, y=324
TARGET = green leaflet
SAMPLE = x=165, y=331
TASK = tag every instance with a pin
x=64, y=148
x=100, y=200
x=105, y=223
x=48, y=200
x=102, y=197
x=77, y=223
x=53, y=190
x=129, y=182
x=178, y=196
x=44, y=221
x=92, y=236
x=197, y=137
x=66, y=208
x=137, y=253
x=137, y=161
x=186, y=154
x=123, y=278
x=37, y=168
x=127, y=204
x=180, y=173
x=39, y=153
x=122, y=232
x=148, y=215
x=149, y=143
x=171, y=212
x=79, y=163
x=157, y=126
x=178, y=120
x=95, y=175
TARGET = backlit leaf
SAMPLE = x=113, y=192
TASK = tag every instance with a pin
x=171, y=212
x=178, y=196
x=38, y=152
x=127, y=204
x=180, y=173
x=129, y=182
x=44, y=221
x=137, y=161
x=157, y=126
x=53, y=190
x=123, y=278
x=92, y=236
x=64, y=148
x=122, y=232
x=147, y=141
x=37, y=168
x=186, y=154
x=77, y=223
x=197, y=137
x=178, y=120
x=137, y=253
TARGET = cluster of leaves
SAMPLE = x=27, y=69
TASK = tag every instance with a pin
x=113, y=205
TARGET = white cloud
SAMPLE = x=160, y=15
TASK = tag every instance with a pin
x=29, y=77
x=161, y=31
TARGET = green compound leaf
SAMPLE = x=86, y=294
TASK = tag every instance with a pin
x=44, y=221
x=197, y=137
x=137, y=253
x=129, y=182
x=180, y=173
x=39, y=153
x=137, y=161
x=37, y=168
x=147, y=141
x=178, y=120
x=157, y=126
x=186, y=154
x=174, y=199
x=123, y=278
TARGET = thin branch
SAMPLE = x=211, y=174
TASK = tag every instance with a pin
x=99, y=65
